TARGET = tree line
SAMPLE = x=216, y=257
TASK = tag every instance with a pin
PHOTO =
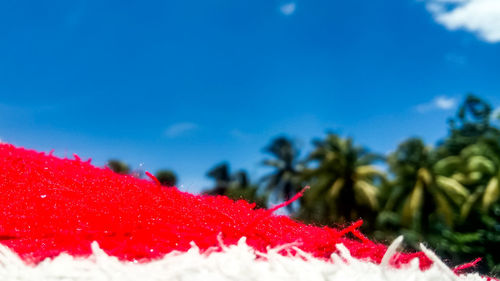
x=446, y=195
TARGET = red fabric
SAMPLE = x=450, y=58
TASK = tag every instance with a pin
x=50, y=205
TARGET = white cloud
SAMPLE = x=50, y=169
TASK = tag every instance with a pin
x=288, y=8
x=438, y=103
x=445, y=103
x=481, y=17
x=179, y=129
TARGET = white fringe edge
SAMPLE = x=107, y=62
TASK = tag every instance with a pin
x=237, y=262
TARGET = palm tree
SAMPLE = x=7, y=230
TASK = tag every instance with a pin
x=118, y=166
x=471, y=125
x=342, y=182
x=240, y=178
x=418, y=191
x=219, y=173
x=236, y=186
x=285, y=180
x=478, y=168
x=166, y=177
x=241, y=188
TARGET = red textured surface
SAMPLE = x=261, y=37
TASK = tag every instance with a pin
x=50, y=205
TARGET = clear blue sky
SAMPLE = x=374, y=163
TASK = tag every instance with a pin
x=187, y=84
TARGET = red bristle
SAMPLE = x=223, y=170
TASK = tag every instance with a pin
x=357, y=224
x=288, y=202
x=466, y=265
x=151, y=176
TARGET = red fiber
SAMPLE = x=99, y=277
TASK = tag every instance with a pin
x=351, y=228
x=466, y=265
x=77, y=158
x=50, y=205
x=286, y=203
x=151, y=176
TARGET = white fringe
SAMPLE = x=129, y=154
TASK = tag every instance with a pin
x=237, y=262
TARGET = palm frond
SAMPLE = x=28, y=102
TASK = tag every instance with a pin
x=448, y=165
x=491, y=194
x=336, y=187
x=366, y=194
x=425, y=176
x=413, y=204
x=469, y=203
x=453, y=189
x=272, y=163
x=481, y=164
x=444, y=208
x=369, y=171
x=369, y=158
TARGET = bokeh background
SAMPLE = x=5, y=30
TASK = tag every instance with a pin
x=388, y=109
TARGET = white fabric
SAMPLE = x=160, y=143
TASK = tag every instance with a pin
x=238, y=262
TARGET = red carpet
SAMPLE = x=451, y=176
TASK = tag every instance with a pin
x=50, y=205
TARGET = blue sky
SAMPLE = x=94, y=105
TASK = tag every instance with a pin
x=187, y=84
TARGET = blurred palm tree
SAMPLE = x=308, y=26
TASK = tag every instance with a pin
x=236, y=186
x=471, y=125
x=478, y=168
x=166, y=177
x=419, y=193
x=284, y=181
x=221, y=175
x=118, y=166
x=477, y=233
x=242, y=188
x=343, y=182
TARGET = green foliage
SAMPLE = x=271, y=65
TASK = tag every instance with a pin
x=471, y=124
x=118, y=166
x=166, y=177
x=242, y=189
x=448, y=195
x=419, y=193
x=220, y=174
x=343, y=182
x=459, y=180
x=285, y=180
x=236, y=186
